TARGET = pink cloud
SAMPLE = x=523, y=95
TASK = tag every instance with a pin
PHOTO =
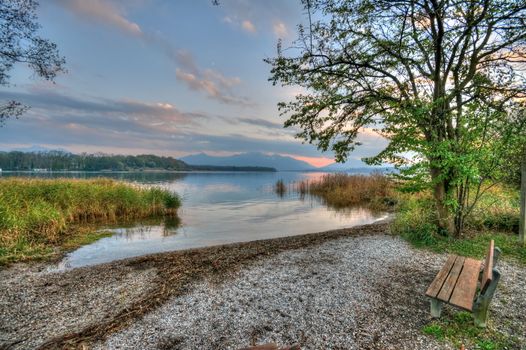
x=102, y=11
x=248, y=26
x=314, y=161
x=213, y=83
x=280, y=29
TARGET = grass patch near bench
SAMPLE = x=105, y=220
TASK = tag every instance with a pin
x=496, y=218
x=496, y=215
x=38, y=217
x=459, y=329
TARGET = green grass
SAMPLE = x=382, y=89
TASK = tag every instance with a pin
x=459, y=329
x=498, y=210
x=495, y=219
x=90, y=236
x=39, y=217
x=415, y=222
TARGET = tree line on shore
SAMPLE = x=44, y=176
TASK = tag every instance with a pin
x=65, y=161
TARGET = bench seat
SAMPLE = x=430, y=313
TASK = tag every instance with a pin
x=456, y=283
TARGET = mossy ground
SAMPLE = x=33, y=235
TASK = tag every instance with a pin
x=459, y=329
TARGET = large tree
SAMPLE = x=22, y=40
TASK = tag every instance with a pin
x=20, y=43
x=522, y=222
x=440, y=79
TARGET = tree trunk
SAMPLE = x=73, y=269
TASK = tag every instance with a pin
x=446, y=221
x=522, y=223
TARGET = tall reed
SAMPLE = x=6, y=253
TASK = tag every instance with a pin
x=280, y=188
x=44, y=211
x=343, y=190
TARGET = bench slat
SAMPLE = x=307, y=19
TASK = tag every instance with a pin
x=440, y=278
x=466, y=286
x=451, y=280
x=487, y=275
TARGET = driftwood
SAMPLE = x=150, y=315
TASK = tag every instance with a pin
x=271, y=346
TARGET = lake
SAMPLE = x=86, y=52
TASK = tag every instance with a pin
x=218, y=208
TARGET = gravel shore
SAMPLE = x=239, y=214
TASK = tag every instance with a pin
x=351, y=293
x=357, y=288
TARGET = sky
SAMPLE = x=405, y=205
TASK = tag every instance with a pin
x=163, y=77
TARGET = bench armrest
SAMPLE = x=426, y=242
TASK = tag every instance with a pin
x=496, y=254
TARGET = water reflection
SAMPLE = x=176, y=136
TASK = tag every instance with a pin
x=219, y=208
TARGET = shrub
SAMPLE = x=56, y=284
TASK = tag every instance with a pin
x=415, y=220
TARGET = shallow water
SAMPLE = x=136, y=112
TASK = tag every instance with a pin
x=218, y=208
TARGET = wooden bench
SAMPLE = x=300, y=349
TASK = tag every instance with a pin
x=457, y=284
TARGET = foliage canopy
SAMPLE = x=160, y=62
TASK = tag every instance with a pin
x=20, y=43
x=442, y=80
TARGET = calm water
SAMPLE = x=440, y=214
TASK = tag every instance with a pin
x=218, y=208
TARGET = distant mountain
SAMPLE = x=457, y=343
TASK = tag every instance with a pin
x=249, y=159
x=350, y=164
x=38, y=149
x=354, y=165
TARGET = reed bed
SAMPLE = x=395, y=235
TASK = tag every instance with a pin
x=280, y=188
x=37, y=215
x=342, y=190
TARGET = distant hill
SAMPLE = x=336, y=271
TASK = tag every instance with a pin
x=249, y=159
x=350, y=164
x=53, y=160
x=355, y=165
x=38, y=149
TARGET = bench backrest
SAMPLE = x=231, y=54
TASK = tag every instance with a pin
x=487, y=274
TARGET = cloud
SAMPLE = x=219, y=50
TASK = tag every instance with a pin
x=213, y=83
x=129, y=126
x=102, y=11
x=124, y=115
x=248, y=26
x=280, y=29
x=275, y=17
x=122, y=125
x=211, y=87
x=223, y=81
x=185, y=59
x=316, y=161
x=261, y=122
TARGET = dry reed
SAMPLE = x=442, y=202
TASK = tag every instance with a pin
x=343, y=190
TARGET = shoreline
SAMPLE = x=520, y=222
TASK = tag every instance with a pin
x=153, y=171
x=56, y=297
x=105, y=304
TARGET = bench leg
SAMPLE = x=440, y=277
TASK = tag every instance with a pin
x=436, y=308
x=480, y=309
x=480, y=312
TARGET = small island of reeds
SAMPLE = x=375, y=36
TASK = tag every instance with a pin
x=338, y=190
x=39, y=217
